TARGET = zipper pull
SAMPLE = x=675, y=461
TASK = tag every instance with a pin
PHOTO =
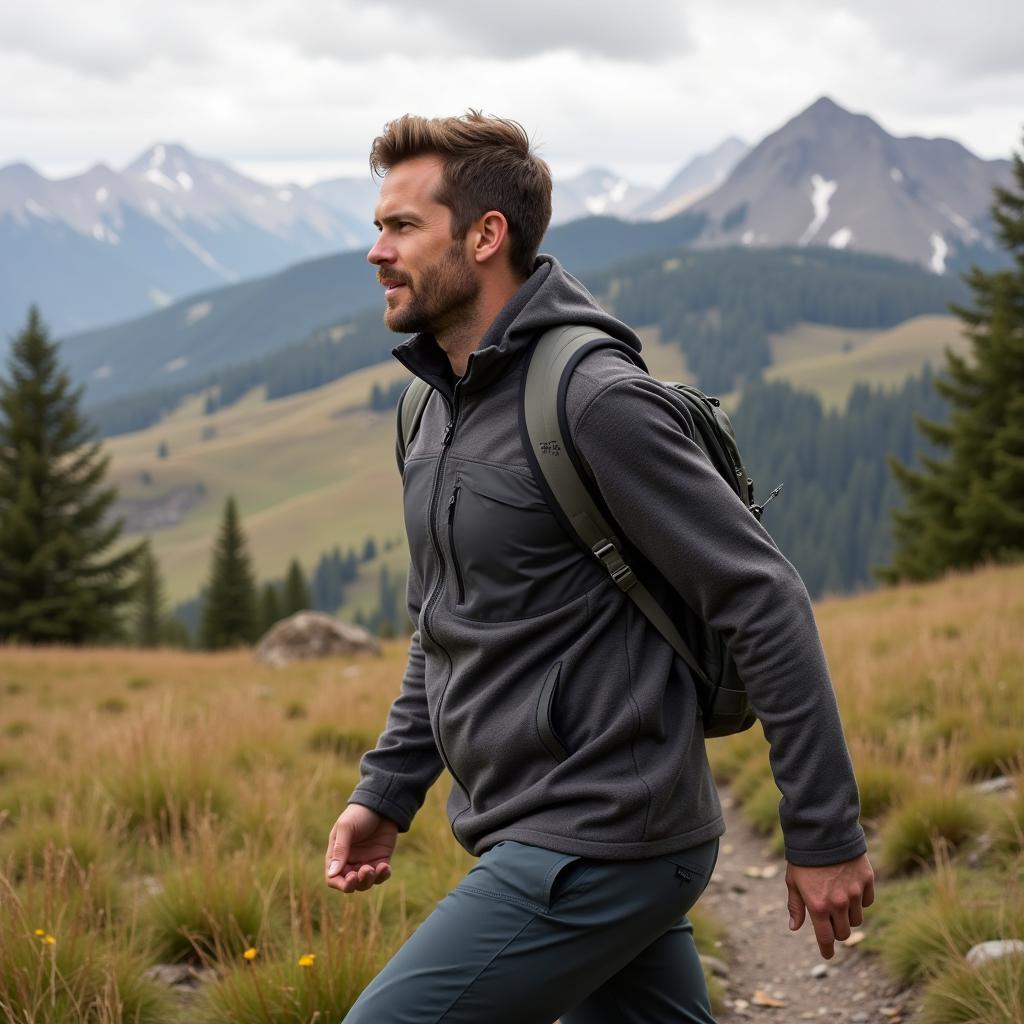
x=451, y=502
x=448, y=431
x=759, y=509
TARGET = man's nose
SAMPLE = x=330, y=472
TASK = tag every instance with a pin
x=379, y=253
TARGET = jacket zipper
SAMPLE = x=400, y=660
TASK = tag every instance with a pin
x=453, y=501
x=435, y=594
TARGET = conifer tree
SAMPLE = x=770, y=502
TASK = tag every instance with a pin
x=229, y=613
x=149, y=600
x=296, y=590
x=59, y=583
x=969, y=507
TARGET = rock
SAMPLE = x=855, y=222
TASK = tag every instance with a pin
x=998, y=785
x=760, y=998
x=312, y=635
x=993, y=950
x=854, y=938
x=170, y=974
x=768, y=871
x=859, y=1017
x=717, y=967
x=819, y=971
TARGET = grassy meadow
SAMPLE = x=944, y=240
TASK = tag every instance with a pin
x=173, y=807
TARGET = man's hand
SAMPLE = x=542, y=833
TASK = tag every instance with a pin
x=359, y=850
x=835, y=895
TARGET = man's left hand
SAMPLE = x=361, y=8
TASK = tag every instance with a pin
x=834, y=895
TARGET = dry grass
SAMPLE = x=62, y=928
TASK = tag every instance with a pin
x=191, y=821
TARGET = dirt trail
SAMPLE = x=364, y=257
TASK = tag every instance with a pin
x=777, y=975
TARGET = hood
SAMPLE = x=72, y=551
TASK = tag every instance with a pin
x=548, y=298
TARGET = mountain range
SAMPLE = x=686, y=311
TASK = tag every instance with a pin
x=105, y=245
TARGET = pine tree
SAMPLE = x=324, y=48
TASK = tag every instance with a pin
x=969, y=507
x=229, y=613
x=296, y=590
x=58, y=581
x=149, y=600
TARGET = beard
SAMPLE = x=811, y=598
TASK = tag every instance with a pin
x=444, y=296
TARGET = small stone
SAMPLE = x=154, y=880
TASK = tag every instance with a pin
x=998, y=785
x=717, y=878
x=859, y=1017
x=170, y=974
x=740, y=1004
x=819, y=971
x=855, y=938
x=716, y=966
x=889, y=1011
x=994, y=950
x=728, y=848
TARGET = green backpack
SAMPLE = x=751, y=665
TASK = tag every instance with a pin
x=722, y=694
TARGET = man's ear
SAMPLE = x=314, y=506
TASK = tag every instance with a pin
x=488, y=236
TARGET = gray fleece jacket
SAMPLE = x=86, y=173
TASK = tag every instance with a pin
x=565, y=720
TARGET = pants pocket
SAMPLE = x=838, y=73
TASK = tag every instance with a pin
x=521, y=873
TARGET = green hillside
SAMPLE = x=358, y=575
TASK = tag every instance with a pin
x=829, y=361
x=309, y=471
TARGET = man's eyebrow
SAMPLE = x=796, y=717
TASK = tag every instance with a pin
x=393, y=218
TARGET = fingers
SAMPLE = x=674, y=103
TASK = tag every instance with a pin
x=360, y=878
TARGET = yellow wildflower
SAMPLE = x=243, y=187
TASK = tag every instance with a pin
x=49, y=940
x=306, y=960
x=40, y=932
x=250, y=953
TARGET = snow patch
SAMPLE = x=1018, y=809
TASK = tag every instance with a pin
x=174, y=365
x=615, y=192
x=197, y=312
x=102, y=372
x=896, y=174
x=40, y=211
x=747, y=238
x=940, y=250
x=184, y=179
x=971, y=233
x=102, y=194
x=103, y=234
x=158, y=156
x=161, y=179
x=841, y=239
x=285, y=195
x=822, y=192
x=158, y=296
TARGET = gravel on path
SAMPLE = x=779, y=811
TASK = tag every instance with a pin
x=772, y=974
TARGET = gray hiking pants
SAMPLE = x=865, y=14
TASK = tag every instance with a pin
x=530, y=936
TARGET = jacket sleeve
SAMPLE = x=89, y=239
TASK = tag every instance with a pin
x=396, y=774
x=635, y=439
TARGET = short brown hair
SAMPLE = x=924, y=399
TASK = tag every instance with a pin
x=488, y=165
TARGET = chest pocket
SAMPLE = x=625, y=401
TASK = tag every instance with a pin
x=512, y=558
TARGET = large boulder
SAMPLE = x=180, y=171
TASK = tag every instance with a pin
x=312, y=635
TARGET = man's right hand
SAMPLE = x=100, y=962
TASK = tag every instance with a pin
x=359, y=850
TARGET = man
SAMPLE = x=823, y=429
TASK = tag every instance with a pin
x=569, y=726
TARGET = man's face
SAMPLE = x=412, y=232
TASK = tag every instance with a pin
x=430, y=283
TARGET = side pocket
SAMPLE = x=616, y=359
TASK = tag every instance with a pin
x=545, y=702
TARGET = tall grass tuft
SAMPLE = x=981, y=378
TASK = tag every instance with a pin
x=935, y=819
x=991, y=993
x=996, y=752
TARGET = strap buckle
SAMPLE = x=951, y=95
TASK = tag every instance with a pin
x=619, y=571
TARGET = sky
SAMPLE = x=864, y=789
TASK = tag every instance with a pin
x=297, y=91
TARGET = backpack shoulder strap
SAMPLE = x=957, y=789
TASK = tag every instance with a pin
x=410, y=411
x=552, y=361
